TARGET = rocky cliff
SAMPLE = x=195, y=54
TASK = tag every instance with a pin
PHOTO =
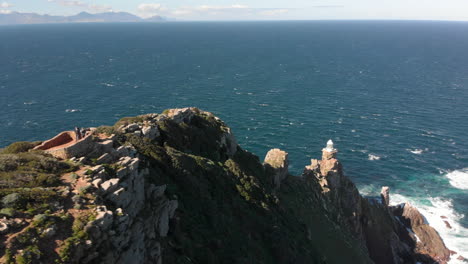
x=177, y=188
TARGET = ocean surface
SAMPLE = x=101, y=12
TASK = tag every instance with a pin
x=393, y=96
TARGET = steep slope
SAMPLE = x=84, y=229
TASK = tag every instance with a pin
x=176, y=188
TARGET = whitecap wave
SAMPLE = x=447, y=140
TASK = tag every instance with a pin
x=373, y=157
x=72, y=110
x=416, y=151
x=459, y=178
x=441, y=215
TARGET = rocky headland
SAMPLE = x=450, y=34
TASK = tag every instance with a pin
x=177, y=188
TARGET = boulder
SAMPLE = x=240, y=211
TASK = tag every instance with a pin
x=104, y=218
x=50, y=232
x=385, y=195
x=110, y=185
x=150, y=132
x=184, y=115
x=276, y=162
x=131, y=128
x=105, y=158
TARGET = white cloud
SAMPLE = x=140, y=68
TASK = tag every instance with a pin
x=220, y=8
x=274, y=12
x=100, y=8
x=181, y=12
x=149, y=10
x=69, y=3
x=5, y=5
x=89, y=7
x=5, y=12
x=209, y=12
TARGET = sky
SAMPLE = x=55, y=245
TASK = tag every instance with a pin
x=253, y=9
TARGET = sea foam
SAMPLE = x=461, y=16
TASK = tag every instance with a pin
x=459, y=178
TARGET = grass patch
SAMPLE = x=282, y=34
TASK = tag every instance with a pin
x=19, y=147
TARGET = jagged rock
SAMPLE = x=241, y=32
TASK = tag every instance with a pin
x=430, y=243
x=49, y=232
x=411, y=216
x=131, y=128
x=156, y=191
x=165, y=213
x=182, y=114
x=229, y=142
x=385, y=195
x=97, y=183
x=105, y=158
x=97, y=169
x=150, y=132
x=123, y=151
x=77, y=199
x=276, y=161
x=104, y=218
x=110, y=185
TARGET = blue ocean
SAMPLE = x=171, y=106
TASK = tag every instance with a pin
x=392, y=95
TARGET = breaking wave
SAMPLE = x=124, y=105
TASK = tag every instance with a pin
x=459, y=178
x=441, y=215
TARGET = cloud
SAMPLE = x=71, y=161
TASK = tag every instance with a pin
x=90, y=7
x=209, y=12
x=181, y=12
x=274, y=12
x=5, y=12
x=69, y=3
x=328, y=6
x=100, y=8
x=5, y=5
x=149, y=10
x=220, y=8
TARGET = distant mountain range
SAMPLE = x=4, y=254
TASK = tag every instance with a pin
x=83, y=17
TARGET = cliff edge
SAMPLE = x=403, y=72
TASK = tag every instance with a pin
x=177, y=188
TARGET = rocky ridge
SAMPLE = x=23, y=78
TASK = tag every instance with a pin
x=176, y=188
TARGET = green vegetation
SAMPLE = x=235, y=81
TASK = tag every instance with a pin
x=19, y=147
x=31, y=170
x=108, y=130
x=128, y=120
x=78, y=237
x=10, y=212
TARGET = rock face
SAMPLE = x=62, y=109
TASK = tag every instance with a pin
x=277, y=162
x=385, y=195
x=176, y=188
x=429, y=244
x=391, y=235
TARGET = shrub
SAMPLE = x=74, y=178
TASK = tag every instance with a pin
x=108, y=130
x=8, y=162
x=19, y=147
x=39, y=219
x=10, y=212
x=8, y=257
x=11, y=200
x=84, y=190
x=128, y=120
